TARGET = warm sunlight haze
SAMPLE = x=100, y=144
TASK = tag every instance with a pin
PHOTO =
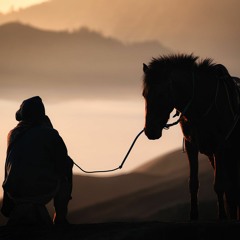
x=85, y=59
x=7, y=6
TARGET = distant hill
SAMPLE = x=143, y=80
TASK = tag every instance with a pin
x=70, y=64
x=179, y=25
x=134, y=19
x=165, y=199
x=157, y=190
x=163, y=166
x=124, y=19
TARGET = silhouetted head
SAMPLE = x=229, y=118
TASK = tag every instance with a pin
x=158, y=102
x=31, y=110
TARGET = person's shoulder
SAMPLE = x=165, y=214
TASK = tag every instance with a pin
x=48, y=130
x=44, y=131
x=50, y=134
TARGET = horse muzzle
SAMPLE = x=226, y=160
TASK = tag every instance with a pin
x=153, y=134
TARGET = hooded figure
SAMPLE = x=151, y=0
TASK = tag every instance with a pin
x=37, y=169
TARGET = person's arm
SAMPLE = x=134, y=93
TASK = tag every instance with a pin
x=63, y=163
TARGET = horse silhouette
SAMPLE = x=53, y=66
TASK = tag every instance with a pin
x=207, y=98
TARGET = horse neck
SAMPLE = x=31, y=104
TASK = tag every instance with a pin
x=191, y=95
x=204, y=100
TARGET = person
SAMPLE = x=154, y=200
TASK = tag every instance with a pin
x=37, y=169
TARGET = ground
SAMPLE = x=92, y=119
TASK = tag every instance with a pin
x=127, y=230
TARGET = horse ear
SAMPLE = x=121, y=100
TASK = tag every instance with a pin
x=145, y=68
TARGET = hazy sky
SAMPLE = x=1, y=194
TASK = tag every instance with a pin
x=9, y=5
x=209, y=28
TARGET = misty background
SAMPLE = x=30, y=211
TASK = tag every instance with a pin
x=84, y=59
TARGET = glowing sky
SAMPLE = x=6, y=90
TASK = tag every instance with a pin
x=9, y=5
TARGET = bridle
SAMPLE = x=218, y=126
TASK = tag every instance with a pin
x=168, y=125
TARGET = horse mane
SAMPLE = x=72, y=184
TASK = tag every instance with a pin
x=161, y=67
x=208, y=64
x=180, y=60
x=172, y=60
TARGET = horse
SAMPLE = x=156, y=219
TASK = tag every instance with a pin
x=207, y=98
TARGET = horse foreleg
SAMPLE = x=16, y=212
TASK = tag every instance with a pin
x=218, y=187
x=231, y=182
x=192, y=153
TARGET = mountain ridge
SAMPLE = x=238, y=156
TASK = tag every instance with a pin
x=180, y=26
x=83, y=62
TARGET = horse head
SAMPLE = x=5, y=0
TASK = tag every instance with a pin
x=158, y=103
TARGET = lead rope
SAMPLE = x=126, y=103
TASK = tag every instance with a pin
x=121, y=165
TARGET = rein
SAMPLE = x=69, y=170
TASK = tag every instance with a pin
x=121, y=165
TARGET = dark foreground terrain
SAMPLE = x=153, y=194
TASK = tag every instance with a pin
x=127, y=230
